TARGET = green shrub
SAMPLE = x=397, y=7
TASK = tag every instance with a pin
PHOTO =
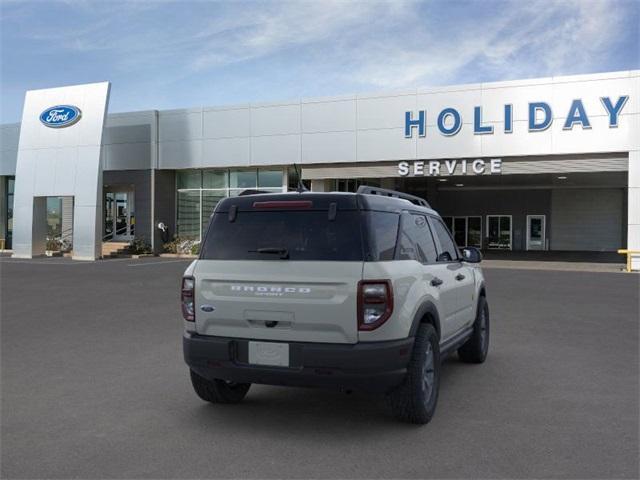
x=183, y=246
x=53, y=244
x=138, y=246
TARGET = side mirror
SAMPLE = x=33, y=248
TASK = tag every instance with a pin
x=471, y=255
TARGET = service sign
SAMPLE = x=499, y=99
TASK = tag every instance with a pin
x=437, y=168
x=60, y=116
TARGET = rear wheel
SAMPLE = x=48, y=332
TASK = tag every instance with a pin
x=218, y=391
x=475, y=349
x=415, y=400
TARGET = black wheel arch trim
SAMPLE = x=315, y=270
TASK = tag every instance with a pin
x=427, y=308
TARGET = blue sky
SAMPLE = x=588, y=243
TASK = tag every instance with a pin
x=162, y=54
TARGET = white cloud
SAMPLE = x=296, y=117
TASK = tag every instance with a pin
x=526, y=39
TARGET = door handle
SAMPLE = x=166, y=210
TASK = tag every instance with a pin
x=460, y=277
x=436, y=282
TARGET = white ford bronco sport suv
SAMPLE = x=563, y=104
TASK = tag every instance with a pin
x=363, y=291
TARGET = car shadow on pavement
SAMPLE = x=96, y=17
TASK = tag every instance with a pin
x=300, y=411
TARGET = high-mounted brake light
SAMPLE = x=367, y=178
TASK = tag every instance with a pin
x=284, y=204
x=375, y=303
x=187, y=297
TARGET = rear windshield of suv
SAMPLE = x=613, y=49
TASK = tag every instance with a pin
x=291, y=235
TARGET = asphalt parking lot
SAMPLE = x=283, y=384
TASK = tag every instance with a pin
x=94, y=386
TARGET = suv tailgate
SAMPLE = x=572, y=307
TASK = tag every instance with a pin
x=306, y=301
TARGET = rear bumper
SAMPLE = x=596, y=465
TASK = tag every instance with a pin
x=371, y=367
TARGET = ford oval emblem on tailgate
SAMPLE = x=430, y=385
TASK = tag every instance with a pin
x=207, y=308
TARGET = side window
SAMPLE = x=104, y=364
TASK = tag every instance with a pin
x=416, y=242
x=448, y=249
x=383, y=231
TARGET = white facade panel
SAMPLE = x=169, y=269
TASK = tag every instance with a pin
x=227, y=152
x=387, y=144
x=176, y=126
x=8, y=160
x=275, y=120
x=385, y=112
x=329, y=116
x=127, y=156
x=65, y=172
x=275, y=150
x=226, y=123
x=329, y=147
x=9, y=135
x=185, y=154
x=85, y=193
x=130, y=128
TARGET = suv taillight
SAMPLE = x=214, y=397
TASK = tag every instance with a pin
x=375, y=303
x=187, y=298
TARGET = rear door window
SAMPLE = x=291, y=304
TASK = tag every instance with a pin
x=279, y=234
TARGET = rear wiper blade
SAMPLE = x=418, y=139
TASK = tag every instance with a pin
x=283, y=252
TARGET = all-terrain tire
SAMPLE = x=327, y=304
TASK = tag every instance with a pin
x=475, y=349
x=414, y=401
x=218, y=391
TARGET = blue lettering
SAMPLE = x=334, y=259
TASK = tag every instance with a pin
x=457, y=121
x=535, y=126
x=409, y=123
x=508, y=118
x=576, y=115
x=478, y=128
x=614, y=111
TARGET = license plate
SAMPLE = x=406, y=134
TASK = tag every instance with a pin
x=269, y=353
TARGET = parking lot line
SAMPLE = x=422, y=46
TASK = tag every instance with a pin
x=156, y=263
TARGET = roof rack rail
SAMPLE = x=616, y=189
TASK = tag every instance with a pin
x=366, y=189
x=251, y=191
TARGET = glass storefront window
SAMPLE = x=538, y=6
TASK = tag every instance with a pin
x=474, y=236
x=499, y=231
x=210, y=199
x=215, y=179
x=188, y=225
x=199, y=191
x=189, y=179
x=54, y=216
x=243, y=179
x=269, y=178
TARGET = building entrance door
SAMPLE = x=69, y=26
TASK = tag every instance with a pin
x=119, y=220
x=536, y=232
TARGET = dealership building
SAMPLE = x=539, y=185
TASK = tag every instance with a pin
x=539, y=164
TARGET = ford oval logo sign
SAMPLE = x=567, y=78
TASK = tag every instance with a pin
x=60, y=116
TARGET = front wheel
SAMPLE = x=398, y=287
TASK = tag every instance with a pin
x=218, y=391
x=415, y=400
x=475, y=349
